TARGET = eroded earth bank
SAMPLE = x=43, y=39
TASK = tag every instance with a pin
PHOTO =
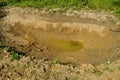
x=82, y=38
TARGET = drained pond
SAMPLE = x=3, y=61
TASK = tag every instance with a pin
x=64, y=38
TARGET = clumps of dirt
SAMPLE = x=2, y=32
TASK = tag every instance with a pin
x=35, y=68
x=102, y=15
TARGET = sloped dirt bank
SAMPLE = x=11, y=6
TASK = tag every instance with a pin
x=79, y=39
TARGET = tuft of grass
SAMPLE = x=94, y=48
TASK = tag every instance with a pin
x=118, y=68
x=74, y=78
x=14, y=56
x=55, y=61
x=25, y=67
x=47, y=75
x=97, y=72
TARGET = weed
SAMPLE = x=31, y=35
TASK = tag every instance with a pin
x=106, y=66
x=15, y=56
x=55, y=61
x=57, y=75
x=118, y=67
x=24, y=67
x=74, y=78
x=97, y=71
x=11, y=66
x=47, y=74
x=18, y=64
x=6, y=48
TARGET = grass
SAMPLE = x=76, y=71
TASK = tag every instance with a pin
x=99, y=4
x=15, y=55
x=109, y=5
x=3, y=3
x=118, y=68
x=47, y=75
x=97, y=72
x=55, y=61
x=74, y=78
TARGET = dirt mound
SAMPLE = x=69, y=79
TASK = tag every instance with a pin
x=69, y=39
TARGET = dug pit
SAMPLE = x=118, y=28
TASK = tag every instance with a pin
x=68, y=39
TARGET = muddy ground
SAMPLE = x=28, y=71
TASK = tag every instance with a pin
x=80, y=40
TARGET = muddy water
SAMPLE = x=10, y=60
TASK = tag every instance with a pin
x=65, y=45
x=67, y=41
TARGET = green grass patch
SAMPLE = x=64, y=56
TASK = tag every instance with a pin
x=101, y=4
x=118, y=68
x=55, y=61
x=108, y=5
x=47, y=3
x=14, y=56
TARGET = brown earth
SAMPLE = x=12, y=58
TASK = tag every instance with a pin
x=33, y=68
x=78, y=39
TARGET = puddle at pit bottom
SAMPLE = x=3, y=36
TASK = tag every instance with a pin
x=65, y=45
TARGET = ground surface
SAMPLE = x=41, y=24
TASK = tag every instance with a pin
x=81, y=38
x=31, y=68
